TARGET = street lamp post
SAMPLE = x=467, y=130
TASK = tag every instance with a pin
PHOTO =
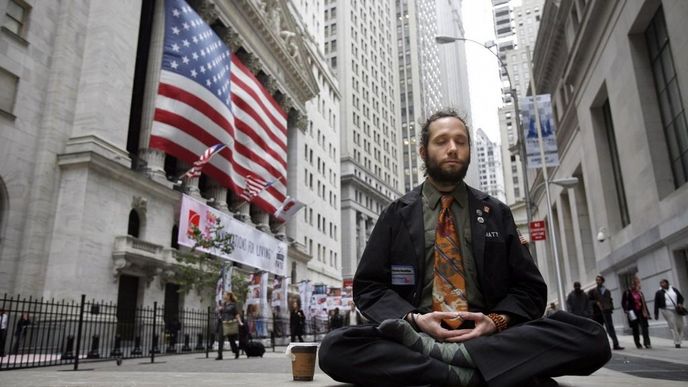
x=442, y=39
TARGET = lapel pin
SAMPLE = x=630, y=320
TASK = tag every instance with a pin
x=486, y=209
x=479, y=213
x=481, y=220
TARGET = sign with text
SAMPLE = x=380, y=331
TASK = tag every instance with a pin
x=549, y=139
x=537, y=230
x=251, y=247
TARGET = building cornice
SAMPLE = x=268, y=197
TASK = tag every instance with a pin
x=273, y=32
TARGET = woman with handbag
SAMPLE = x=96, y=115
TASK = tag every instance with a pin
x=231, y=320
x=670, y=301
x=633, y=303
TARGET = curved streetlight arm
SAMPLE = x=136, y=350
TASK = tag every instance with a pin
x=444, y=39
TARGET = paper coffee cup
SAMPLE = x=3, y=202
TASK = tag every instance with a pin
x=303, y=360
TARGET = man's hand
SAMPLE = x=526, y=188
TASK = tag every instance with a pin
x=430, y=323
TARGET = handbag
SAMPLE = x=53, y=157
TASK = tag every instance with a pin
x=230, y=327
x=680, y=309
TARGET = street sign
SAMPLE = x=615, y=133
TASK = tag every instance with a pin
x=537, y=230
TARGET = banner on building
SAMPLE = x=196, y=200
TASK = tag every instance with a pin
x=549, y=140
x=251, y=247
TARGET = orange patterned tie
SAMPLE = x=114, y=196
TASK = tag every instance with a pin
x=449, y=284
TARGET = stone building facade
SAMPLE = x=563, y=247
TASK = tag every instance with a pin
x=618, y=75
x=85, y=205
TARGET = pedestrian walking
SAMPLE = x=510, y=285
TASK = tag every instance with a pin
x=602, y=309
x=551, y=309
x=3, y=331
x=670, y=301
x=578, y=302
x=635, y=307
x=336, y=321
x=297, y=320
x=231, y=321
x=20, y=331
x=353, y=316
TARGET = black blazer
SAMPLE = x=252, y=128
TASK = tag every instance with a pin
x=507, y=276
x=660, y=300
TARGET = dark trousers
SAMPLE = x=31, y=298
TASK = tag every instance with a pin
x=609, y=324
x=294, y=335
x=637, y=325
x=3, y=338
x=232, y=344
x=563, y=344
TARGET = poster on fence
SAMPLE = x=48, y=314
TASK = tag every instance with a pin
x=280, y=286
x=305, y=292
x=250, y=246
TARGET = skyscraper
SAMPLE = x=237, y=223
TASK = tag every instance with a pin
x=365, y=62
x=516, y=30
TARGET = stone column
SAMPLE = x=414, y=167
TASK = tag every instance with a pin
x=261, y=219
x=109, y=57
x=362, y=234
x=241, y=209
x=190, y=183
x=153, y=160
x=219, y=194
x=578, y=240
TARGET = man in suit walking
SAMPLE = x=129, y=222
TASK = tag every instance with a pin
x=603, y=306
x=453, y=291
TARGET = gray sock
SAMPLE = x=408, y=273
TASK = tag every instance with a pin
x=402, y=332
x=464, y=377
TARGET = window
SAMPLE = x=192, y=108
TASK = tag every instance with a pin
x=16, y=17
x=669, y=97
x=615, y=164
x=134, y=224
x=8, y=91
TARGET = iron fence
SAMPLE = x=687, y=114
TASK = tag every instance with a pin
x=43, y=332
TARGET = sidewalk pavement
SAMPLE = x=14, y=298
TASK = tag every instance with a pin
x=274, y=370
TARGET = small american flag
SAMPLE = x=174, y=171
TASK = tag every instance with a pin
x=195, y=171
x=254, y=186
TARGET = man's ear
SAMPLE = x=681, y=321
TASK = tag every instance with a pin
x=422, y=152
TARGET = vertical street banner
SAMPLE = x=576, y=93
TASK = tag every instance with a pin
x=549, y=139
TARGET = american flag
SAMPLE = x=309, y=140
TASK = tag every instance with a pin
x=254, y=186
x=207, y=96
x=195, y=171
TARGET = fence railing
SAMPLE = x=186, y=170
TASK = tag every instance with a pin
x=44, y=332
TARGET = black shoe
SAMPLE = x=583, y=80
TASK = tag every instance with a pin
x=218, y=358
x=678, y=345
x=618, y=348
x=639, y=346
x=236, y=355
x=648, y=346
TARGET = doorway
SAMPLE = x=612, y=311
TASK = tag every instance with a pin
x=127, y=298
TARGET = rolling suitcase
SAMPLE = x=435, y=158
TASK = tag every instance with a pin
x=254, y=349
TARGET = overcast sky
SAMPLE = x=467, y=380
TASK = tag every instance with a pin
x=483, y=67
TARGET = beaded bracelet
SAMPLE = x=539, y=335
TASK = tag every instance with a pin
x=413, y=321
x=498, y=320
